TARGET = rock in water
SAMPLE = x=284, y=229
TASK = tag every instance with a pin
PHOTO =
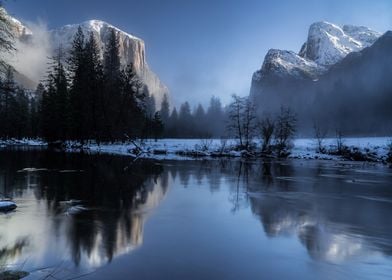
x=13, y=275
x=7, y=205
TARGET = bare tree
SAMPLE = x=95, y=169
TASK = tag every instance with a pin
x=339, y=141
x=320, y=135
x=234, y=125
x=284, y=130
x=267, y=127
x=242, y=120
x=249, y=122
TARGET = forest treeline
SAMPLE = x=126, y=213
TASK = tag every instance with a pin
x=86, y=97
x=82, y=98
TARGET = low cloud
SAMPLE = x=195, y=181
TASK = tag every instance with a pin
x=32, y=52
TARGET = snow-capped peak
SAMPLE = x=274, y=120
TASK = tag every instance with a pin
x=96, y=26
x=328, y=43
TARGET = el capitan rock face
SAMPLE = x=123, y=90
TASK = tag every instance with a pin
x=132, y=49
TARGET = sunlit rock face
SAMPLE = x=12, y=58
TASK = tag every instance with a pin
x=131, y=48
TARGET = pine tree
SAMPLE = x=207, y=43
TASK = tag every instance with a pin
x=157, y=126
x=7, y=96
x=112, y=65
x=185, y=120
x=165, y=109
x=47, y=113
x=34, y=114
x=215, y=116
x=173, y=124
x=113, y=110
x=199, y=117
x=20, y=114
x=94, y=90
x=132, y=116
x=55, y=102
x=76, y=68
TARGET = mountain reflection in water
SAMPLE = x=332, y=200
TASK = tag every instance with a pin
x=338, y=213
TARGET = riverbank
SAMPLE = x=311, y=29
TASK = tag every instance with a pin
x=371, y=149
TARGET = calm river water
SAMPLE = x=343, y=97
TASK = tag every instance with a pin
x=99, y=217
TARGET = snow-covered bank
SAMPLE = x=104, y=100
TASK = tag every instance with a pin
x=22, y=142
x=184, y=149
x=374, y=148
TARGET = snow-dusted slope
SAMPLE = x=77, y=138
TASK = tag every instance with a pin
x=326, y=45
x=288, y=63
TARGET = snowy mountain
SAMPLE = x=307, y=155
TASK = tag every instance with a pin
x=326, y=45
x=132, y=49
x=340, y=79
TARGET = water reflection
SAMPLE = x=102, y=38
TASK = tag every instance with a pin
x=116, y=201
x=336, y=213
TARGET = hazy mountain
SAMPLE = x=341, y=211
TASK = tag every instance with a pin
x=340, y=79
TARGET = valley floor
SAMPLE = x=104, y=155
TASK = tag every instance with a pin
x=373, y=149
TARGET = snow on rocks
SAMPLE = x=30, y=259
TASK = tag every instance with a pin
x=7, y=205
x=21, y=142
x=328, y=43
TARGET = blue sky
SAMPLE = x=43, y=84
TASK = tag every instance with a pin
x=201, y=48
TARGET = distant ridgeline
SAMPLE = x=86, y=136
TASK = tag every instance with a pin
x=341, y=79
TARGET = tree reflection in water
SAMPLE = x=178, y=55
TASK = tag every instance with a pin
x=117, y=201
x=333, y=216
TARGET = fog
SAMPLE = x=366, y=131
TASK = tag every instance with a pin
x=32, y=52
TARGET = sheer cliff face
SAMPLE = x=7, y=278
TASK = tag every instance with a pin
x=132, y=49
